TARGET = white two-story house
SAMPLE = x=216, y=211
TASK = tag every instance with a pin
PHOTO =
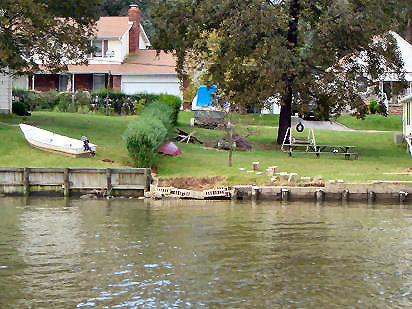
x=122, y=60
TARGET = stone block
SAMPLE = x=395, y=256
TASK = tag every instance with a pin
x=255, y=166
x=293, y=178
x=284, y=177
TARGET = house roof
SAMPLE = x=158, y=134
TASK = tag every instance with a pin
x=406, y=53
x=112, y=26
x=145, y=62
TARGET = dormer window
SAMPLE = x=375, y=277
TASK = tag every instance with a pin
x=101, y=47
x=98, y=48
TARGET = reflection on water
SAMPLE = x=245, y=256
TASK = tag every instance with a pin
x=128, y=253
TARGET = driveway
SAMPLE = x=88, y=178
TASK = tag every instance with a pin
x=320, y=125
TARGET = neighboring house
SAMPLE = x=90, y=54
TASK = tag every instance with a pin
x=406, y=102
x=122, y=61
x=390, y=87
x=5, y=94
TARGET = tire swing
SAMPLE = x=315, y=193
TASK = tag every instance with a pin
x=300, y=127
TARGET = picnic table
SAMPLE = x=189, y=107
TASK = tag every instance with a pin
x=299, y=144
x=346, y=150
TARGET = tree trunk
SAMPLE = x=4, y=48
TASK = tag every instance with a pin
x=286, y=108
x=408, y=35
x=285, y=115
x=230, y=144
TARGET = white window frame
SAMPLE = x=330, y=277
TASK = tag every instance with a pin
x=94, y=55
x=94, y=81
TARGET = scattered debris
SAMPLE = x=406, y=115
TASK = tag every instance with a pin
x=293, y=178
x=111, y=161
x=259, y=173
x=242, y=169
x=192, y=183
x=239, y=143
x=184, y=137
x=217, y=193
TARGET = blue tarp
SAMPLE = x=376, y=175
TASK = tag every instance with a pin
x=204, y=95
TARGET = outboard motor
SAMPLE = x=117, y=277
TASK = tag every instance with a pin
x=86, y=146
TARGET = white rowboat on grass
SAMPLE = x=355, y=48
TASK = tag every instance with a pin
x=49, y=141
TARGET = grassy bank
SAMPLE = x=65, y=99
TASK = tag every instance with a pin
x=373, y=122
x=378, y=154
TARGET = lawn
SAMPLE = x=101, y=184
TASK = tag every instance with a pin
x=378, y=154
x=373, y=122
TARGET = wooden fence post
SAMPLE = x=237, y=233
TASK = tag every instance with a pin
x=26, y=181
x=66, y=182
x=109, y=181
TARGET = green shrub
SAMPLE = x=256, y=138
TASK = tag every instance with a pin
x=65, y=100
x=47, y=100
x=174, y=102
x=161, y=111
x=143, y=138
x=373, y=106
x=19, y=108
x=82, y=98
x=28, y=97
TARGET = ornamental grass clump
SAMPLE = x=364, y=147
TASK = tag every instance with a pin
x=143, y=138
x=174, y=102
x=161, y=111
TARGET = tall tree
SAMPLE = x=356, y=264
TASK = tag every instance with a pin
x=50, y=32
x=302, y=51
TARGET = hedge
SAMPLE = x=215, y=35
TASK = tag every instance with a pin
x=103, y=100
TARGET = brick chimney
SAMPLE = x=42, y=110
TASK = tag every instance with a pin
x=134, y=16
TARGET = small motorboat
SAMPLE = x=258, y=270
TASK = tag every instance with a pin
x=49, y=141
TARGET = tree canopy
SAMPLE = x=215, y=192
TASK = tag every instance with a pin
x=50, y=32
x=303, y=51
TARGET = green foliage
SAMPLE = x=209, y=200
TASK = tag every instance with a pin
x=298, y=49
x=143, y=138
x=373, y=106
x=174, y=102
x=65, y=100
x=47, y=100
x=146, y=134
x=49, y=32
x=161, y=111
x=121, y=103
x=19, y=108
x=28, y=97
x=323, y=107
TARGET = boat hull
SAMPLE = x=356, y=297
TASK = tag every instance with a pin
x=55, y=143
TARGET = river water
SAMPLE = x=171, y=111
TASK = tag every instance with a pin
x=57, y=253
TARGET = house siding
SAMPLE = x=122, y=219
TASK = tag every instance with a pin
x=5, y=94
